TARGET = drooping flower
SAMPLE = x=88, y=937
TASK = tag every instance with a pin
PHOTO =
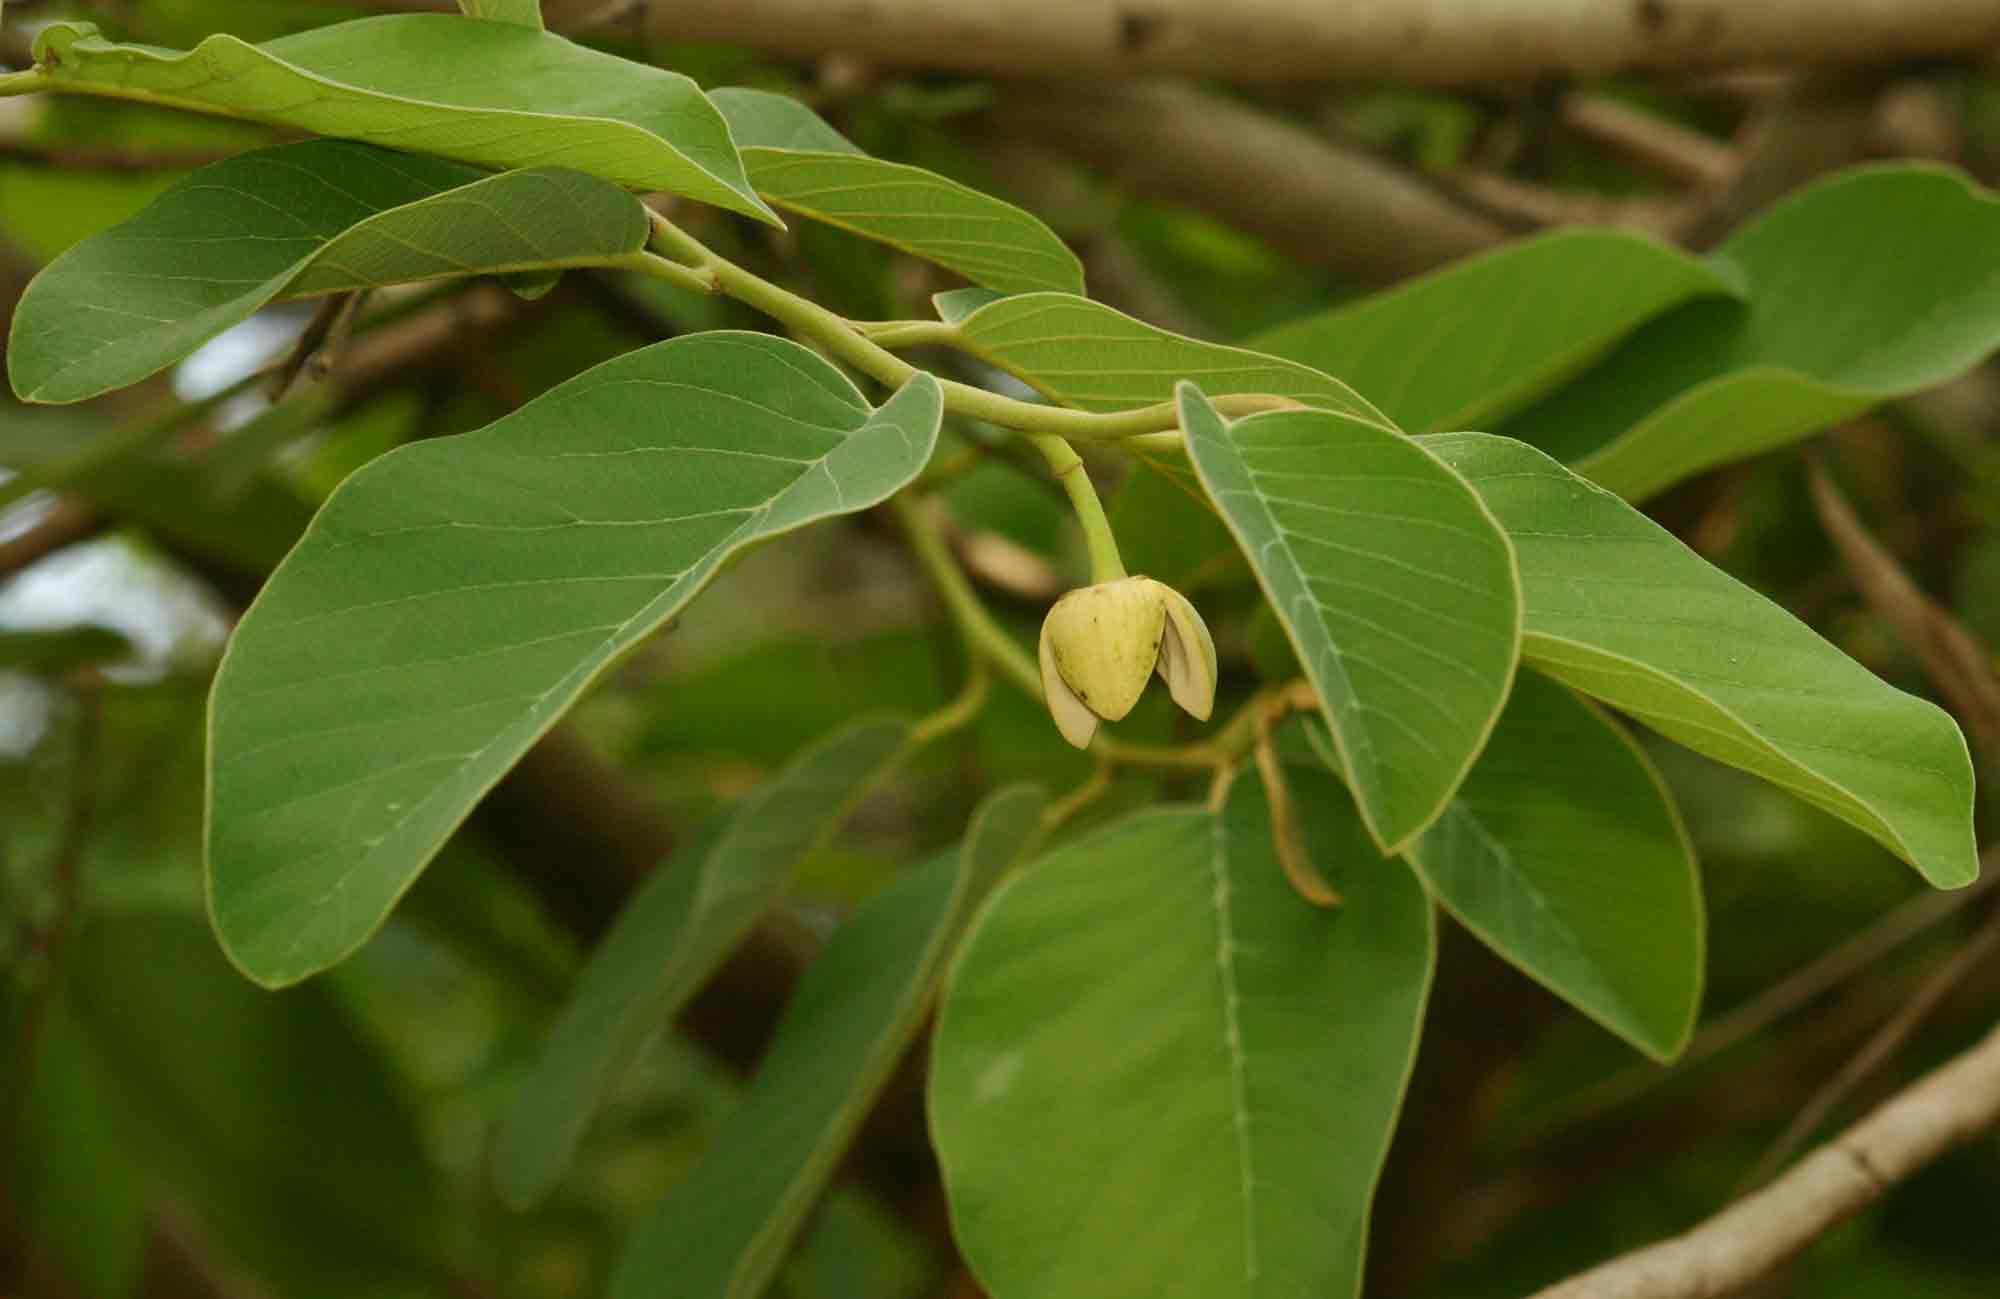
x=1102, y=643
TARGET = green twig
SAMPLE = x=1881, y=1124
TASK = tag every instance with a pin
x=662, y=268
x=907, y=333
x=1096, y=786
x=1105, y=563
x=963, y=708
x=684, y=254
x=984, y=638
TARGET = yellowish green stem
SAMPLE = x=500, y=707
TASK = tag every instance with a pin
x=908, y=333
x=1069, y=469
x=661, y=268
x=959, y=712
x=984, y=638
x=852, y=344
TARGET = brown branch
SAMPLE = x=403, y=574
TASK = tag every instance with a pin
x=1674, y=151
x=1313, y=200
x=1374, y=40
x=1746, y=1241
x=66, y=521
x=51, y=941
x=1522, y=205
x=68, y=158
x=1856, y=956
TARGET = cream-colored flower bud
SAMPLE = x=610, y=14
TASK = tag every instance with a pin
x=1102, y=643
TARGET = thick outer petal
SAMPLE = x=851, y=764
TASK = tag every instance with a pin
x=1076, y=722
x=1105, y=640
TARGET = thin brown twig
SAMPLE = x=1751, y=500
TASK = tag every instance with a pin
x=1790, y=994
x=1887, y=1040
x=1746, y=1241
x=319, y=347
x=68, y=520
x=1677, y=152
x=1958, y=663
x=72, y=158
x=65, y=876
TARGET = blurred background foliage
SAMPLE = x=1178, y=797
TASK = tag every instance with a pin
x=171, y=1130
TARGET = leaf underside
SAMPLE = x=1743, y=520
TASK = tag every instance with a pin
x=672, y=935
x=1158, y=1070
x=454, y=597
x=801, y=164
x=1393, y=582
x=319, y=216
x=722, y=1232
x=497, y=94
x=1084, y=354
x=1564, y=853
x=1619, y=609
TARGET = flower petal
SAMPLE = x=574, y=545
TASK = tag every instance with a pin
x=1187, y=655
x=1105, y=640
x=1076, y=722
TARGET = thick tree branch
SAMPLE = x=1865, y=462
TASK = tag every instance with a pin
x=1433, y=41
x=1955, y=1104
x=1308, y=197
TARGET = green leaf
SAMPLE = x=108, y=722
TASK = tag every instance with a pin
x=1171, y=533
x=1084, y=354
x=316, y=217
x=1867, y=286
x=454, y=597
x=723, y=1232
x=1394, y=582
x=494, y=94
x=1469, y=343
x=680, y=925
x=113, y=467
x=43, y=651
x=954, y=305
x=1620, y=609
x=271, y=1119
x=1564, y=853
x=802, y=165
x=1159, y=1071
x=76, y=1183
x=725, y=713
x=524, y=13
x=759, y=119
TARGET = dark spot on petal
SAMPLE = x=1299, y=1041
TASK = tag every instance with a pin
x=1652, y=15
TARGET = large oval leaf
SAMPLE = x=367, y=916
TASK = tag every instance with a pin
x=454, y=597
x=802, y=165
x=1620, y=609
x=493, y=93
x=671, y=936
x=1563, y=852
x=1084, y=354
x=1475, y=340
x=723, y=1232
x=1394, y=583
x=1869, y=285
x=299, y=219
x=1159, y=1071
